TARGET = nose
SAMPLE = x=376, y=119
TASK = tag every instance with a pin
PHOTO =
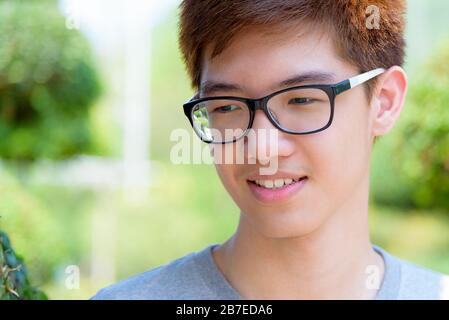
x=265, y=142
x=263, y=145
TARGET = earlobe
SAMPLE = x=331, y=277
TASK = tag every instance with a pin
x=388, y=100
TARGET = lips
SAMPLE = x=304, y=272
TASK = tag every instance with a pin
x=276, y=190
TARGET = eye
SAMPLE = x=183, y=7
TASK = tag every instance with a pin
x=302, y=100
x=226, y=109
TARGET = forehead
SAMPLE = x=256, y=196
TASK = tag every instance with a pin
x=257, y=61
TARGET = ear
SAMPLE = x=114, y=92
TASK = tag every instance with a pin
x=388, y=100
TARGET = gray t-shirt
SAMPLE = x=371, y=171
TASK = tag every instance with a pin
x=195, y=276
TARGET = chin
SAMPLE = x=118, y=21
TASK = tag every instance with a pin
x=285, y=224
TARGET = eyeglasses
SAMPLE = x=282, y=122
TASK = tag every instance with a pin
x=296, y=110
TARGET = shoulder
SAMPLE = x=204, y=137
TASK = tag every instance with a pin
x=418, y=282
x=405, y=280
x=178, y=279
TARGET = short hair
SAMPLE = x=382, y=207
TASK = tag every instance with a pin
x=215, y=23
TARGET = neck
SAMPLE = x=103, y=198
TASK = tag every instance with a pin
x=329, y=263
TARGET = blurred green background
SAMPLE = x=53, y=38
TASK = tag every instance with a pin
x=60, y=120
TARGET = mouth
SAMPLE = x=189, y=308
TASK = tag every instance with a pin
x=277, y=183
x=275, y=190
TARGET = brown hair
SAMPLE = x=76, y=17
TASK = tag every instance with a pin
x=216, y=22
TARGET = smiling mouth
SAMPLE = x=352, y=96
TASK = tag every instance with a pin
x=276, y=183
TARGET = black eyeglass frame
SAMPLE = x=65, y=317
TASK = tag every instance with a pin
x=332, y=90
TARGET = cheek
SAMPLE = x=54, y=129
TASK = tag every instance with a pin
x=339, y=156
x=227, y=173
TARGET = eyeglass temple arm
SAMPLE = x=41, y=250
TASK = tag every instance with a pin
x=344, y=85
x=357, y=80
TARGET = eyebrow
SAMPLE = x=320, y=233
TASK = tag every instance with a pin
x=209, y=87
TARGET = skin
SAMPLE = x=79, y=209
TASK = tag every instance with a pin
x=315, y=244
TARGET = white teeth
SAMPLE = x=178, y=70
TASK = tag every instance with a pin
x=268, y=183
x=278, y=183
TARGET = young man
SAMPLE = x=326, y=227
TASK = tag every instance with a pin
x=331, y=80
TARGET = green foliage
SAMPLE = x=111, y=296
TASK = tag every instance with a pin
x=418, y=150
x=45, y=224
x=170, y=88
x=47, y=83
x=389, y=186
x=424, y=143
x=14, y=282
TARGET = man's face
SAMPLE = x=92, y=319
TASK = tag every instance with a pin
x=333, y=164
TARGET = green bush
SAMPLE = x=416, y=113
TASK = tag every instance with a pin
x=14, y=282
x=418, y=150
x=47, y=83
x=44, y=225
